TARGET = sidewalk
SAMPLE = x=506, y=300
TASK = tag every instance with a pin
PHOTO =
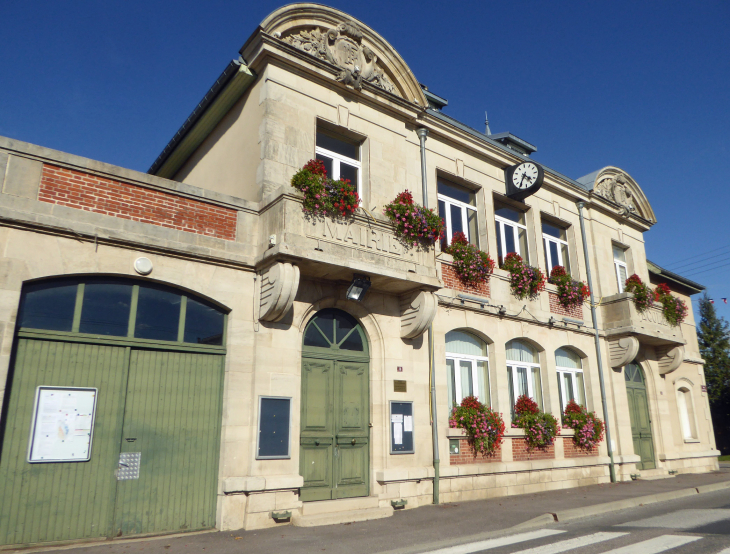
x=405, y=529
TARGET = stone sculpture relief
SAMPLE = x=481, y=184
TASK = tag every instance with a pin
x=279, y=285
x=622, y=351
x=342, y=47
x=669, y=358
x=417, y=314
x=616, y=190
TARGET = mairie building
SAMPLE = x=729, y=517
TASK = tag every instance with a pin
x=186, y=349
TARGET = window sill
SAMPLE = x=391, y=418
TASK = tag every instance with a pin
x=691, y=441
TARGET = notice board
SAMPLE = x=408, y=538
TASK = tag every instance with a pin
x=63, y=424
x=401, y=427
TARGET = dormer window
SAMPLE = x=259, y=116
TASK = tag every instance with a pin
x=341, y=158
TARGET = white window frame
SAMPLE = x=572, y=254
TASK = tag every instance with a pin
x=618, y=264
x=456, y=358
x=512, y=368
x=502, y=223
x=548, y=255
x=337, y=159
x=563, y=393
x=688, y=423
x=448, y=201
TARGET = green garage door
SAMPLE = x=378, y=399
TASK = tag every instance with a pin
x=158, y=400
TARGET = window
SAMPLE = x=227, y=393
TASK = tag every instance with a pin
x=686, y=413
x=458, y=209
x=121, y=308
x=467, y=363
x=570, y=377
x=274, y=426
x=523, y=366
x=555, y=241
x=619, y=262
x=341, y=158
x=511, y=233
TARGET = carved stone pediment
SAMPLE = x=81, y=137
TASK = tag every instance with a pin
x=279, y=285
x=342, y=47
x=417, y=314
x=669, y=359
x=622, y=351
x=616, y=190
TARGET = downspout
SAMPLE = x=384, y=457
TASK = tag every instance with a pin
x=422, y=133
x=612, y=468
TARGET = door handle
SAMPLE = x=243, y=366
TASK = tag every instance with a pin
x=353, y=441
x=316, y=443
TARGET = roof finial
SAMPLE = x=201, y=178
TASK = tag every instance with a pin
x=486, y=122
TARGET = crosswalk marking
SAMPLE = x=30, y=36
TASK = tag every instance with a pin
x=655, y=545
x=569, y=544
x=681, y=519
x=495, y=543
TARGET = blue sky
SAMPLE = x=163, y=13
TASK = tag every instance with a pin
x=640, y=85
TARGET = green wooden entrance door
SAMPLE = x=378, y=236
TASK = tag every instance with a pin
x=334, y=456
x=639, y=415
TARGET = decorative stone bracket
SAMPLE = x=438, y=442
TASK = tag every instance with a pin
x=417, y=314
x=279, y=285
x=669, y=358
x=622, y=351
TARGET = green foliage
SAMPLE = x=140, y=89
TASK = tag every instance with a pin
x=644, y=297
x=588, y=427
x=540, y=428
x=484, y=427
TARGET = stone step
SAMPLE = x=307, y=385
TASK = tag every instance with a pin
x=334, y=518
x=654, y=474
x=341, y=505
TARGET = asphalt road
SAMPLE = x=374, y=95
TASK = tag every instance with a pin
x=697, y=525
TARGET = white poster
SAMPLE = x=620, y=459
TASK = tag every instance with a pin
x=397, y=433
x=63, y=422
x=408, y=424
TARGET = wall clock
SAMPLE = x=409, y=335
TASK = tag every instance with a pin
x=523, y=179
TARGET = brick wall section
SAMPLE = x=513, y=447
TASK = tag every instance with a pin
x=572, y=451
x=576, y=312
x=520, y=453
x=118, y=199
x=452, y=281
x=466, y=455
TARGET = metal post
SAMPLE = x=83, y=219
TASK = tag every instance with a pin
x=612, y=468
x=422, y=133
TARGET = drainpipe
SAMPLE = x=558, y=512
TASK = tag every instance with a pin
x=612, y=468
x=422, y=133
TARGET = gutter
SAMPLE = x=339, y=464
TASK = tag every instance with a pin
x=220, y=98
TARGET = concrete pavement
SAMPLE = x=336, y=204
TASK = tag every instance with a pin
x=421, y=528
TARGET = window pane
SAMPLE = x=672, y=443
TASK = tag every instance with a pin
x=451, y=383
x=554, y=256
x=512, y=215
x=203, y=323
x=509, y=239
x=467, y=386
x=553, y=231
x=349, y=172
x=327, y=164
x=621, y=276
x=158, y=314
x=442, y=215
x=566, y=259
x=560, y=392
x=568, y=385
x=471, y=216
x=49, y=305
x=537, y=386
x=522, y=381
x=274, y=427
x=457, y=224
x=459, y=342
x=565, y=357
x=325, y=320
x=619, y=254
x=580, y=395
x=519, y=351
x=500, y=251
x=456, y=192
x=546, y=248
x=105, y=309
x=338, y=145
x=522, y=234
x=353, y=342
x=313, y=337
x=483, y=379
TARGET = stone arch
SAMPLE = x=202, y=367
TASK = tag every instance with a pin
x=472, y=331
x=341, y=40
x=619, y=188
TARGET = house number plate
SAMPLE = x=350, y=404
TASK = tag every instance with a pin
x=128, y=466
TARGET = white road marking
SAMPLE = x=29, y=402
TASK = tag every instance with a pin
x=569, y=544
x=495, y=543
x=682, y=519
x=655, y=545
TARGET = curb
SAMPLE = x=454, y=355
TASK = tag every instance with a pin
x=597, y=509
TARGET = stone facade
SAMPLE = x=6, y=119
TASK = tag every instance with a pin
x=229, y=226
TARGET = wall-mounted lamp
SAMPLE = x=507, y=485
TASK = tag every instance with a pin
x=502, y=310
x=359, y=286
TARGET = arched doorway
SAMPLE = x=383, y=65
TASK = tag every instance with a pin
x=639, y=415
x=334, y=455
x=113, y=417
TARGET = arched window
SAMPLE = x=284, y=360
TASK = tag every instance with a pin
x=121, y=308
x=335, y=329
x=523, y=366
x=570, y=377
x=467, y=363
x=686, y=413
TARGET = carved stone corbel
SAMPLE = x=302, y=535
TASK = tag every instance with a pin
x=622, y=351
x=279, y=285
x=669, y=358
x=417, y=314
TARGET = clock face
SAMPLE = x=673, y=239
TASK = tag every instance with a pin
x=525, y=175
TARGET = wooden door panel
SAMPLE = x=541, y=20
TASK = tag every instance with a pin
x=352, y=401
x=317, y=401
x=315, y=466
